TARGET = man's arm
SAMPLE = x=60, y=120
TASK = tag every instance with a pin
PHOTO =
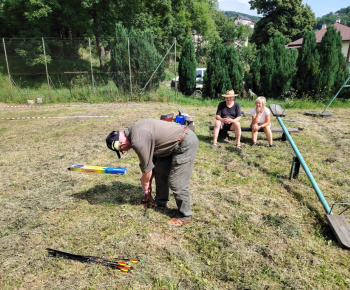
x=219, y=118
x=146, y=181
x=237, y=119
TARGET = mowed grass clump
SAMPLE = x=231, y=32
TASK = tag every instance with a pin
x=252, y=227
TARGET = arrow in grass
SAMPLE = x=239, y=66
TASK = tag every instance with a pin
x=108, y=262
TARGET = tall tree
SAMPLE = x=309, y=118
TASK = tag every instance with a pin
x=285, y=65
x=342, y=75
x=43, y=18
x=203, y=27
x=228, y=31
x=329, y=58
x=234, y=69
x=216, y=79
x=308, y=65
x=273, y=70
x=120, y=59
x=187, y=68
x=144, y=60
x=333, y=68
x=101, y=14
x=289, y=17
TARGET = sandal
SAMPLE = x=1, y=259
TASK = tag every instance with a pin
x=214, y=145
x=239, y=146
x=176, y=222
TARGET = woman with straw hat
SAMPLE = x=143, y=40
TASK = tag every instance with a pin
x=228, y=115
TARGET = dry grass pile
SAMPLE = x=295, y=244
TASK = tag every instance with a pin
x=252, y=227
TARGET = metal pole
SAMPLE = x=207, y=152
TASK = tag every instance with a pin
x=8, y=68
x=157, y=67
x=175, y=71
x=302, y=162
x=344, y=85
x=47, y=73
x=129, y=66
x=92, y=71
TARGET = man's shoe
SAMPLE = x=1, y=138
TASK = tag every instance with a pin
x=176, y=222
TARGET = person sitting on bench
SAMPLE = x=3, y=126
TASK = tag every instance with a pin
x=261, y=119
x=228, y=115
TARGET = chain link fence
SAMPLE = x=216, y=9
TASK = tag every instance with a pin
x=63, y=70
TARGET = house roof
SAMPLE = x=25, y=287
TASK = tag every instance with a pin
x=344, y=32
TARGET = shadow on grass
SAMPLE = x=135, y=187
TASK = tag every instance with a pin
x=117, y=193
x=205, y=138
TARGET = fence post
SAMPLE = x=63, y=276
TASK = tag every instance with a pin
x=129, y=66
x=92, y=71
x=8, y=68
x=47, y=73
x=175, y=70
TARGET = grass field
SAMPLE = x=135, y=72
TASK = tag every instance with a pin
x=252, y=227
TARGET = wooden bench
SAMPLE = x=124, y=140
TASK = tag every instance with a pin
x=276, y=110
x=274, y=130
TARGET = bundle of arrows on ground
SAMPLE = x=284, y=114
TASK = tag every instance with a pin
x=115, y=263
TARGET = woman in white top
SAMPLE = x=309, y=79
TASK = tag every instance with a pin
x=261, y=119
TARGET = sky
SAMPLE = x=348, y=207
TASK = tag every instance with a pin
x=319, y=7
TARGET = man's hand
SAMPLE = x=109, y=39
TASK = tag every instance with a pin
x=227, y=120
x=146, y=183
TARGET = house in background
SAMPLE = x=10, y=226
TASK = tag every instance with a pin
x=243, y=20
x=344, y=32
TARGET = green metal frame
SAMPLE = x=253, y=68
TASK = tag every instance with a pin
x=306, y=168
x=343, y=86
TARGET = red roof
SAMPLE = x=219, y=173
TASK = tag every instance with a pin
x=344, y=31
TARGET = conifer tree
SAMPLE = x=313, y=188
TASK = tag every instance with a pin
x=234, y=69
x=329, y=58
x=343, y=72
x=216, y=79
x=341, y=77
x=307, y=65
x=273, y=70
x=268, y=67
x=252, y=76
x=285, y=67
x=187, y=68
x=144, y=60
x=260, y=75
x=120, y=59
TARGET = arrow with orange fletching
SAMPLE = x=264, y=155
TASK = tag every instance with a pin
x=119, y=264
